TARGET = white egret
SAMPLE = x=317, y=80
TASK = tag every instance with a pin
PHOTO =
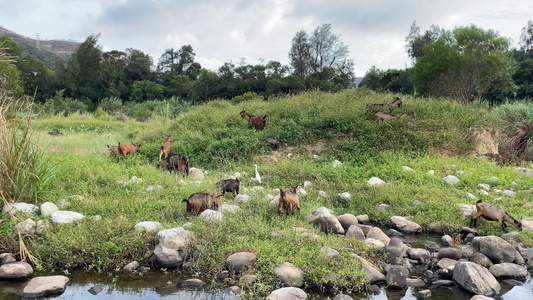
x=257, y=176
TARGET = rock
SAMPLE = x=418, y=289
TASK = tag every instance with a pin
x=443, y=283
x=6, y=258
x=16, y=270
x=475, y=279
x=508, y=270
x=326, y=221
x=308, y=184
x=404, y=225
x=527, y=224
x=289, y=274
x=196, y=174
x=377, y=234
x=466, y=250
x=373, y=274
x=27, y=227
x=247, y=280
x=95, y=290
x=396, y=250
x=21, y=207
x=154, y=188
x=430, y=245
x=460, y=172
x=446, y=241
x=148, y=226
x=492, y=180
x=45, y=285
x=242, y=198
x=132, y=266
x=444, y=263
x=481, y=259
x=343, y=197
x=527, y=205
x=465, y=229
x=524, y=171
x=330, y=253
x=382, y=206
x=173, y=247
x=467, y=211
x=166, y=257
x=97, y=218
x=431, y=172
x=347, y=220
x=429, y=274
x=370, y=242
x=363, y=219
x=416, y=202
x=450, y=179
x=355, y=232
x=406, y=168
x=397, y=276
x=509, y=193
x=497, y=249
x=484, y=186
x=65, y=217
x=232, y=290
x=342, y=297
x=510, y=236
x=451, y=253
x=287, y=293
x=62, y=203
x=418, y=254
x=211, y=215
x=483, y=192
x=471, y=196
x=394, y=232
x=240, y=260
x=323, y=194
x=48, y=208
x=481, y=297
x=192, y=283
x=228, y=209
x=374, y=181
x=373, y=289
x=41, y=226
x=422, y=294
x=301, y=192
x=415, y=282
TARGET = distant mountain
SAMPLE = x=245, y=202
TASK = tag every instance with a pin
x=51, y=51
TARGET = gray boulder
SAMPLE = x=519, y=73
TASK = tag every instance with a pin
x=330, y=253
x=26, y=227
x=196, y=174
x=243, y=198
x=397, y=276
x=148, y=226
x=228, y=209
x=45, y=285
x=508, y=270
x=326, y=221
x=16, y=270
x=287, y=293
x=467, y=211
x=342, y=297
x=497, y=249
x=396, y=251
x=289, y=274
x=372, y=273
x=240, y=260
x=419, y=254
x=375, y=181
x=192, y=283
x=347, y=220
x=378, y=234
x=475, y=279
x=172, y=249
x=211, y=215
x=22, y=207
x=481, y=297
x=131, y=267
x=355, y=232
x=404, y=225
x=450, y=179
x=452, y=253
x=444, y=263
x=446, y=241
x=344, y=197
x=48, y=208
x=65, y=217
x=481, y=259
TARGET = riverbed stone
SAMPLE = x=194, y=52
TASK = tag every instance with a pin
x=355, y=232
x=370, y=242
x=6, y=258
x=228, y=209
x=192, y=283
x=443, y=282
x=240, y=260
x=289, y=274
x=132, y=266
x=396, y=251
x=497, y=249
x=211, y=215
x=444, y=263
x=363, y=219
x=419, y=254
x=344, y=197
x=16, y=270
x=415, y=282
x=65, y=217
x=466, y=250
x=481, y=259
x=48, y=208
x=481, y=297
x=287, y=293
x=95, y=289
x=173, y=246
x=394, y=232
x=374, y=181
x=403, y=225
x=347, y=220
x=382, y=206
x=326, y=221
x=452, y=253
x=397, y=276
x=45, y=285
x=232, y=290
x=508, y=270
x=330, y=253
x=148, y=226
x=422, y=294
x=450, y=179
x=20, y=207
x=26, y=227
x=196, y=174
x=372, y=273
x=166, y=257
x=342, y=297
x=378, y=234
x=243, y=198
x=467, y=211
x=475, y=279
x=446, y=241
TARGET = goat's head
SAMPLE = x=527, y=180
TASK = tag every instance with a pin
x=518, y=224
x=169, y=139
x=243, y=113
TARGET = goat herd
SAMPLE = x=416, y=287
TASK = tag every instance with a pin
x=381, y=116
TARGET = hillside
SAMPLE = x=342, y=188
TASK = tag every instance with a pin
x=50, y=50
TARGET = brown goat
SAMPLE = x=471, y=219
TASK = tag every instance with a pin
x=375, y=107
x=288, y=201
x=113, y=150
x=176, y=163
x=493, y=213
x=257, y=122
x=230, y=185
x=165, y=148
x=125, y=149
x=383, y=116
x=397, y=102
x=199, y=202
x=55, y=132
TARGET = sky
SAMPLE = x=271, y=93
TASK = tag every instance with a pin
x=258, y=31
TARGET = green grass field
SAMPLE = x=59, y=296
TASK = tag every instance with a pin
x=429, y=134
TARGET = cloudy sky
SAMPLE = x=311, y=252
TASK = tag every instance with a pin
x=258, y=30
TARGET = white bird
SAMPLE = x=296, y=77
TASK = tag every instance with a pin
x=257, y=177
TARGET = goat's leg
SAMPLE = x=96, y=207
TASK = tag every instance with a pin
x=504, y=226
x=474, y=219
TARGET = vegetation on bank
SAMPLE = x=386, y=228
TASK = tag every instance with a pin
x=430, y=134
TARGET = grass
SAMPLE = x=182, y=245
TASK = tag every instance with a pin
x=430, y=134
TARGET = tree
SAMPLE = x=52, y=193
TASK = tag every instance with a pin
x=371, y=79
x=462, y=64
x=526, y=38
x=415, y=42
x=146, y=90
x=113, y=74
x=300, y=54
x=10, y=82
